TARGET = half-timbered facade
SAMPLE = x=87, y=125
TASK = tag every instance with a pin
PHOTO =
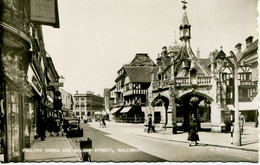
x=131, y=90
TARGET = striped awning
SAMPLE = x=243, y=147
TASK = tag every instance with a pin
x=114, y=110
x=125, y=109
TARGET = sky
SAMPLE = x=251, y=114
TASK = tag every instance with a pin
x=97, y=37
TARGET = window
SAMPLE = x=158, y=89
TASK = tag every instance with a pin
x=82, y=113
x=77, y=106
x=77, y=113
x=82, y=106
x=82, y=99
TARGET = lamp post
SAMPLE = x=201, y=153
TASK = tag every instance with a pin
x=172, y=87
x=237, y=134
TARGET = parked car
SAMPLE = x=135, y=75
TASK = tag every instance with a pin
x=72, y=127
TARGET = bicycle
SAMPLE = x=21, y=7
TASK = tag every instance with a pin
x=85, y=145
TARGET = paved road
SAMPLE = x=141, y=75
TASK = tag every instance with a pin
x=118, y=144
x=105, y=149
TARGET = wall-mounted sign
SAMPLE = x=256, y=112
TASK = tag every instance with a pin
x=44, y=12
x=56, y=84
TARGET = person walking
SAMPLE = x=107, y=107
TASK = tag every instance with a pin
x=150, y=125
x=50, y=125
x=42, y=129
x=103, y=120
x=193, y=132
x=241, y=122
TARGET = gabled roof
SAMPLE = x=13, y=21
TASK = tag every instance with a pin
x=205, y=61
x=142, y=59
x=139, y=73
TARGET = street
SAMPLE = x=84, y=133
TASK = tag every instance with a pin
x=117, y=143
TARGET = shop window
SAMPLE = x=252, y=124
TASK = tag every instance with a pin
x=13, y=122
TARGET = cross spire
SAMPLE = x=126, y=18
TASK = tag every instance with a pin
x=184, y=4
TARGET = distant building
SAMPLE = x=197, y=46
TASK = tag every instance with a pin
x=86, y=104
x=67, y=103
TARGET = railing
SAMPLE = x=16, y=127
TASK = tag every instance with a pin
x=245, y=82
x=182, y=81
x=204, y=80
x=15, y=19
x=135, y=91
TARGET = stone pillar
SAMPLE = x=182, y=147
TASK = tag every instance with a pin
x=169, y=117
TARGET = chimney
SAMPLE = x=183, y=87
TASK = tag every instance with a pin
x=164, y=52
x=198, y=53
x=238, y=48
x=249, y=41
x=77, y=92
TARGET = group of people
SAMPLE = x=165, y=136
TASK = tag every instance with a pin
x=193, y=128
x=52, y=125
x=192, y=133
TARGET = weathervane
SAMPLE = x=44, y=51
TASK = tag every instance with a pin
x=184, y=4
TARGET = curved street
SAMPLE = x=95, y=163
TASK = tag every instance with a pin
x=117, y=142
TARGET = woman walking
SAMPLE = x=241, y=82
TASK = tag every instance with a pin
x=193, y=130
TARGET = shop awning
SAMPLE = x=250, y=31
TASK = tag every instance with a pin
x=125, y=109
x=245, y=106
x=114, y=110
x=97, y=113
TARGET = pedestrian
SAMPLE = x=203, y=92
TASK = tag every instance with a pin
x=150, y=124
x=103, y=120
x=193, y=132
x=241, y=122
x=50, y=125
x=101, y=124
x=56, y=124
x=42, y=129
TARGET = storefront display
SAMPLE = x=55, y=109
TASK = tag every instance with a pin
x=13, y=124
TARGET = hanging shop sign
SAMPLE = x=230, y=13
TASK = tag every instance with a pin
x=33, y=81
x=44, y=12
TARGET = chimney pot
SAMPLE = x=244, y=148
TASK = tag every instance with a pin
x=249, y=41
x=238, y=47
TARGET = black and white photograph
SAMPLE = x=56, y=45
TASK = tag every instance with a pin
x=129, y=81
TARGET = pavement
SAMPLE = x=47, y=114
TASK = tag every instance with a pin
x=58, y=148
x=249, y=139
x=53, y=149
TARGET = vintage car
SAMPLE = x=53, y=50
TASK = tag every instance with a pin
x=72, y=127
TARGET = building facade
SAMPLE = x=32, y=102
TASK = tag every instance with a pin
x=131, y=89
x=86, y=104
x=23, y=88
x=182, y=85
x=67, y=103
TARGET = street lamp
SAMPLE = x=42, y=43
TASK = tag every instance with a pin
x=237, y=134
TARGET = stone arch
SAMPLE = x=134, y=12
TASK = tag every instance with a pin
x=160, y=99
x=160, y=106
x=195, y=92
x=190, y=107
